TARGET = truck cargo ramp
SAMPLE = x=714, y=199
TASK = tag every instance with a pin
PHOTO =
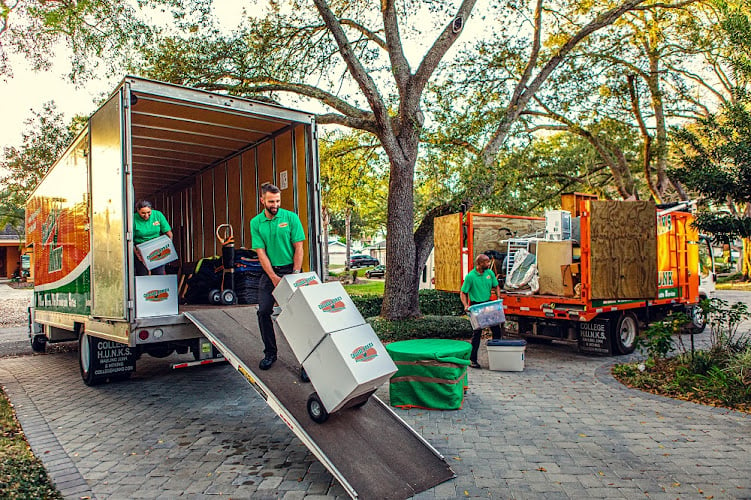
x=370, y=450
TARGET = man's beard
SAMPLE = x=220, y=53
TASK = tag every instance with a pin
x=272, y=210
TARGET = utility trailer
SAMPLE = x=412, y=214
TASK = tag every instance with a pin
x=621, y=266
x=199, y=157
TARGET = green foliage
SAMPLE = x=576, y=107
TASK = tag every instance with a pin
x=436, y=327
x=715, y=156
x=45, y=138
x=432, y=303
x=658, y=341
x=440, y=303
x=21, y=474
x=724, y=321
x=368, y=305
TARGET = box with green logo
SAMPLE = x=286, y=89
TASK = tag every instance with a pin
x=156, y=295
x=157, y=252
x=314, y=311
x=347, y=364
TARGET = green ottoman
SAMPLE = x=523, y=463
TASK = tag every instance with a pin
x=432, y=373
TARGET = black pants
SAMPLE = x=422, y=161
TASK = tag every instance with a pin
x=476, y=337
x=266, y=308
x=142, y=271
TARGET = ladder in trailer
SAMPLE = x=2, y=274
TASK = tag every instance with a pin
x=370, y=450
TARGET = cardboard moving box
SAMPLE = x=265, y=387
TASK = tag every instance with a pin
x=157, y=252
x=156, y=295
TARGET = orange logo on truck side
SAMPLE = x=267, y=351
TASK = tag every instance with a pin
x=159, y=254
x=334, y=305
x=364, y=353
x=156, y=295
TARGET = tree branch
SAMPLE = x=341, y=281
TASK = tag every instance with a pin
x=515, y=107
x=439, y=48
x=532, y=62
x=399, y=64
x=363, y=79
x=370, y=35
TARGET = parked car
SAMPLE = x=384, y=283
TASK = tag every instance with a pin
x=378, y=271
x=362, y=261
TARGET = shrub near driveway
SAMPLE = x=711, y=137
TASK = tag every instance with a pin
x=718, y=376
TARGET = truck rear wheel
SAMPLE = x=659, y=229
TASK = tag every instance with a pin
x=625, y=333
x=86, y=349
x=38, y=343
x=698, y=320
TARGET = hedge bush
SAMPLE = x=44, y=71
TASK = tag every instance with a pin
x=432, y=303
x=426, y=327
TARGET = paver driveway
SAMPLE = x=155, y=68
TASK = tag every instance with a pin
x=562, y=428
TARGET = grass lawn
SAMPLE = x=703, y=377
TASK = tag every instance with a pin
x=21, y=473
x=366, y=287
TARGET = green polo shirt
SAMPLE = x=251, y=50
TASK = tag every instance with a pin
x=478, y=286
x=145, y=230
x=277, y=235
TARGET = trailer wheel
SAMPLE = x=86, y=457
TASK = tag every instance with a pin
x=215, y=297
x=228, y=297
x=38, y=343
x=316, y=410
x=86, y=349
x=625, y=333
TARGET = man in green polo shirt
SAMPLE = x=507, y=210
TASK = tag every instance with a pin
x=476, y=289
x=148, y=223
x=277, y=236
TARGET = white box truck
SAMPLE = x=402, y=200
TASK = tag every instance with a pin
x=199, y=157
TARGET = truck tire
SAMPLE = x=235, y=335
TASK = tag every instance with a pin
x=625, y=333
x=86, y=349
x=698, y=320
x=38, y=343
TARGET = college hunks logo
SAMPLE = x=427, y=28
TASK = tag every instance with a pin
x=364, y=353
x=156, y=295
x=159, y=254
x=310, y=280
x=334, y=305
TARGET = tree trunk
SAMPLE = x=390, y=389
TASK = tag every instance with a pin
x=400, y=300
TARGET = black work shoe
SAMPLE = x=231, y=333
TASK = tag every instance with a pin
x=266, y=362
x=475, y=364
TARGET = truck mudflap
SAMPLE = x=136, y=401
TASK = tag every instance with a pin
x=370, y=450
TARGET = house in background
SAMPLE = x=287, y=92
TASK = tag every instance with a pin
x=338, y=251
x=10, y=254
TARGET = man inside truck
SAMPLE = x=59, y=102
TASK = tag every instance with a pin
x=277, y=236
x=476, y=289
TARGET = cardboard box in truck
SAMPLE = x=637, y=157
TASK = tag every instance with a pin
x=199, y=158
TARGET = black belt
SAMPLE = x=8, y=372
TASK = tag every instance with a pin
x=282, y=268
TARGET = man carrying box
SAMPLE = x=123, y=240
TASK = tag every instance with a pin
x=476, y=289
x=277, y=236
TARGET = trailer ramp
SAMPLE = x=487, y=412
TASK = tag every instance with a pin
x=371, y=451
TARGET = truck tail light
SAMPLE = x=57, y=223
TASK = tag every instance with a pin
x=143, y=334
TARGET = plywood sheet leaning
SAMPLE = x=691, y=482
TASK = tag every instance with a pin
x=551, y=255
x=447, y=241
x=491, y=233
x=624, y=250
